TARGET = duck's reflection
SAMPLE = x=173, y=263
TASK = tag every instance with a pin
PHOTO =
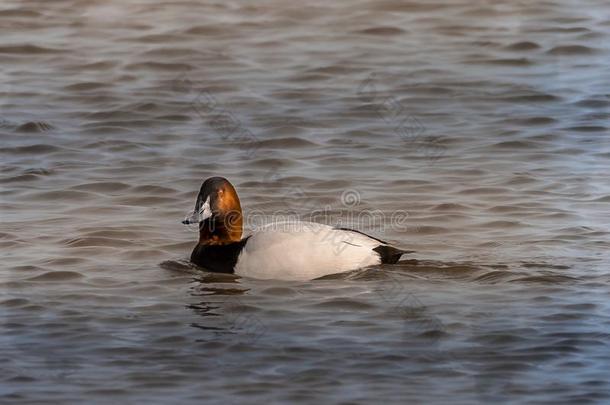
x=223, y=313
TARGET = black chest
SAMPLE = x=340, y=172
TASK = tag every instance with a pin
x=218, y=258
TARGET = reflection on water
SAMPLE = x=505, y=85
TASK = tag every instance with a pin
x=483, y=124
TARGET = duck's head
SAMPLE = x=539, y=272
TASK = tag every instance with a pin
x=218, y=212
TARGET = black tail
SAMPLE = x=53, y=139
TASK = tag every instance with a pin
x=389, y=254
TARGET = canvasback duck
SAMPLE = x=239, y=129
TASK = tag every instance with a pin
x=286, y=250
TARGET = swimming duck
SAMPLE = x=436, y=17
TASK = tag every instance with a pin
x=286, y=250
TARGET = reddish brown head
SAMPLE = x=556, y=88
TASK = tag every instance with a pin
x=218, y=212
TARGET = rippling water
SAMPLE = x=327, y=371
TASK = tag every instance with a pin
x=473, y=132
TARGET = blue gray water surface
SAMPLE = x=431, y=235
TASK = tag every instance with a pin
x=473, y=132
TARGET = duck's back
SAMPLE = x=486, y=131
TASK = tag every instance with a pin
x=306, y=250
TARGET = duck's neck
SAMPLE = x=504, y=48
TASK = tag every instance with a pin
x=221, y=231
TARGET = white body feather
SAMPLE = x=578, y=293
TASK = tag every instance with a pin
x=304, y=251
